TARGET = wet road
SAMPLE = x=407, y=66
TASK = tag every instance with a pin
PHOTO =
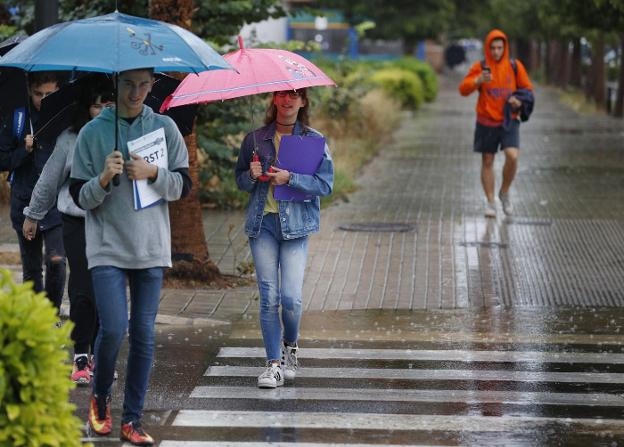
x=489, y=377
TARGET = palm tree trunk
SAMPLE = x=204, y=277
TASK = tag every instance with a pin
x=188, y=242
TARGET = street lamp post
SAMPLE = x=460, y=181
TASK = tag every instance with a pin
x=46, y=13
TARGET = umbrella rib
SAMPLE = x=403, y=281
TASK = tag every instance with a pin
x=233, y=89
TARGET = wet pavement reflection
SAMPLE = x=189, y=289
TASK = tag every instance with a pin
x=525, y=377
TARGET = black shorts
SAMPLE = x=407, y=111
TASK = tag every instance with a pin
x=489, y=140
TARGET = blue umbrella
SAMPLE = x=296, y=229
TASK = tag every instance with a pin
x=111, y=44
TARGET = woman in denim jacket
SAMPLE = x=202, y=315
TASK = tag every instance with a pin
x=278, y=230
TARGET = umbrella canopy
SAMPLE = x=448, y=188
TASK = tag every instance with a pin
x=11, y=43
x=58, y=109
x=113, y=43
x=258, y=70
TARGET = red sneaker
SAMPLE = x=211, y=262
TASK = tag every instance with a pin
x=100, y=419
x=81, y=374
x=134, y=434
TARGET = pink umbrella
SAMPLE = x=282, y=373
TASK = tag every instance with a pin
x=260, y=70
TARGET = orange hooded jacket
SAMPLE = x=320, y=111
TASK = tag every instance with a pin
x=494, y=94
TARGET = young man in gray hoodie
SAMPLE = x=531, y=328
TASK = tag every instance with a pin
x=125, y=245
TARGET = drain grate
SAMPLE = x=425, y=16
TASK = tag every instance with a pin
x=528, y=221
x=378, y=227
x=483, y=244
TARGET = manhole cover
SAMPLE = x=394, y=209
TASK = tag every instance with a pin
x=528, y=221
x=378, y=227
x=483, y=244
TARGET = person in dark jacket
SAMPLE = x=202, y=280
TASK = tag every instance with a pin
x=24, y=157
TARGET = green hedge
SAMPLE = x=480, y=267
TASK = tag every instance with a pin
x=34, y=374
x=424, y=71
x=403, y=85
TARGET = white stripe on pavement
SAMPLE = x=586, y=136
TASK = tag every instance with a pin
x=374, y=421
x=396, y=395
x=427, y=374
x=440, y=355
x=272, y=444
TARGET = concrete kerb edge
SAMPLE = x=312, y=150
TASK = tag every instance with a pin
x=171, y=319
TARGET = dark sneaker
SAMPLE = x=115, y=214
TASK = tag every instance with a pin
x=272, y=377
x=92, y=368
x=134, y=434
x=289, y=361
x=81, y=374
x=100, y=419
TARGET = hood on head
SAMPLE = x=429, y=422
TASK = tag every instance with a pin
x=492, y=35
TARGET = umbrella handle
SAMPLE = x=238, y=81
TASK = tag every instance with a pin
x=116, y=180
x=263, y=177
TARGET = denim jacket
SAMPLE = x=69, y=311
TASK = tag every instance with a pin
x=297, y=218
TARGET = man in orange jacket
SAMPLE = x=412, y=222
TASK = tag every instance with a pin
x=496, y=78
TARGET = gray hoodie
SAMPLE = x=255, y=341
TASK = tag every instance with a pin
x=116, y=234
x=54, y=180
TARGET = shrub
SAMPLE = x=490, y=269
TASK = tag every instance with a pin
x=424, y=71
x=402, y=85
x=34, y=377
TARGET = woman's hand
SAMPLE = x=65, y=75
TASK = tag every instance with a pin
x=29, y=229
x=139, y=169
x=255, y=169
x=279, y=176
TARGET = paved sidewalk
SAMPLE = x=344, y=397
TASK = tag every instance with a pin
x=563, y=246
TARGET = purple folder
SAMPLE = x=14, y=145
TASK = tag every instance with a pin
x=301, y=155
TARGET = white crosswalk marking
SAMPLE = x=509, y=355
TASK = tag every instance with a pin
x=272, y=444
x=457, y=355
x=390, y=395
x=428, y=374
x=573, y=385
x=373, y=421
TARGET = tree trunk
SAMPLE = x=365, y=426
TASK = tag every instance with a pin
x=576, y=71
x=189, y=250
x=598, y=71
x=523, y=53
x=619, y=102
x=552, y=61
x=564, y=64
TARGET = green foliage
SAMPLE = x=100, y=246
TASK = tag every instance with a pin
x=402, y=85
x=424, y=71
x=6, y=31
x=214, y=19
x=34, y=375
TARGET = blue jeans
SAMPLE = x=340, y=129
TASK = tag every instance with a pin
x=280, y=265
x=109, y=284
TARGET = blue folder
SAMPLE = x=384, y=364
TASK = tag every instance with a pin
x=301, y=155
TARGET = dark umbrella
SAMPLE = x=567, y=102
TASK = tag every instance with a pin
x=59, y=108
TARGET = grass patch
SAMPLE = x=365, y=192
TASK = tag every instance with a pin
x=578, y=102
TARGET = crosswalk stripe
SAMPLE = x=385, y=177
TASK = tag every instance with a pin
x=272, y=444
x=374, y=421
x=439, y=355
x=397, y=395
x=427, y=374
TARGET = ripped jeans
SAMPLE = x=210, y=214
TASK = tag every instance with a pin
x=280, y=265
x=32, y=262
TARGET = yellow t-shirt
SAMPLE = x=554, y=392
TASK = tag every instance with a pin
x=270, y=206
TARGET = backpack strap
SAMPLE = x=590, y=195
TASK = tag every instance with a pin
x=514, y=66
